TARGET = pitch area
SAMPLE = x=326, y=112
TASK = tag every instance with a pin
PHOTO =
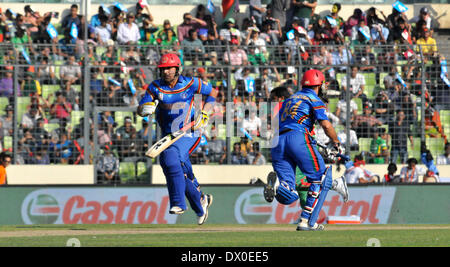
x=217, y=235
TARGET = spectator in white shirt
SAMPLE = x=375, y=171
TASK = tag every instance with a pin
x=357, y=83
x=252, y=124
x=411, y=173
x=355, y=174
x=128, y=32
x=103, y=31
x=444, y=159
x=341, y=109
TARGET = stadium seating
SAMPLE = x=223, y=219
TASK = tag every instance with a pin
x=127, y=172
x=364, y=144
x=4, y=101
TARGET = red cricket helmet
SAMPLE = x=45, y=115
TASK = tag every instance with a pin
x=169, y=60
x=312, y=78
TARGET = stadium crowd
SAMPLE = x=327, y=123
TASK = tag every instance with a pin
x=264, y=51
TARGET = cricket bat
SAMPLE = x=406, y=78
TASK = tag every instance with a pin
x=168, y=140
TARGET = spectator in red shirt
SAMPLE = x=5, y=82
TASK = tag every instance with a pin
x=61, y=108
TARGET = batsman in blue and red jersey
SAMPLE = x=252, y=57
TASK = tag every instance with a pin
x=295, y=147
x=172, y=98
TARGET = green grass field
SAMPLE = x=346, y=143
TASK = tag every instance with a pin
x=222, y=235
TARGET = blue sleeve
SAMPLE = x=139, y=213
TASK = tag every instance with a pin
x=149, y=95
x=319, y=110
x=204, y=88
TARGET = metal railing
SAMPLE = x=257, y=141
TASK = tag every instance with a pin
x=82, y=102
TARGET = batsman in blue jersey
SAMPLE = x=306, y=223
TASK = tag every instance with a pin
x=172, y=98
x=295, y=147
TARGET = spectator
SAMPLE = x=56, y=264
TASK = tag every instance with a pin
x=254, y=156
x=252, y=123
x=97, y=18
x=444, y=159
x=411, y=172
x=63, y=149
x=271, y=35
x=7, y=84
x=253, y=39
x=357, y=83
x=41, y=157
x=8, y=119
x=391, y=177
x=428, y=45
x=29, y=119
x=342, y=135
x=28, y=143
x=342, y=56
x=70, y=73
x=61, y=109
x=400, y=132
x=335, y=15
x=217, y=149
x=401, y=30
x=46, y=72
x=293, y=46
x=126, y=136
x=379, y=152
x=212, y=44
x=143, y=19
x=383, y=107
x=230, y=32
x=367, y=60
x=107, y=167
x=424, y=18
x=128, y=32
x=341, y=109
x=104, y=31
x=167, y=37
x=109, y=57
x=5, y=161
x=278, y=9
x=304, y=10
x=268, y=79
x=356, y=174
x=433, y=125
x=364, y=123
x=189, y=22
x=29, y=85
x=73, y=17
x=325, y=61
x=236, y=56
x=130, y=56
x=360, y=33
x=353, y=21
x=193, y=47
x=111, y=95
x=256, y=11
x=237, y=156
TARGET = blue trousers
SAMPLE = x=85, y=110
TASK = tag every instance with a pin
x=180, y=178
x=294, y=149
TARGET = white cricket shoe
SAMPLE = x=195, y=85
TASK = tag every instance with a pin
x=176, y=210
x=304, y=226
x=206, y=203
x=271, y=187
x=340, y=186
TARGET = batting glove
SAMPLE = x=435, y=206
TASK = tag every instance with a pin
x=201, y=121
x=333, y=150
x=149, y=108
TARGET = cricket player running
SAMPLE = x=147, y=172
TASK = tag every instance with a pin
x=172, y=98
x=295, y=147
